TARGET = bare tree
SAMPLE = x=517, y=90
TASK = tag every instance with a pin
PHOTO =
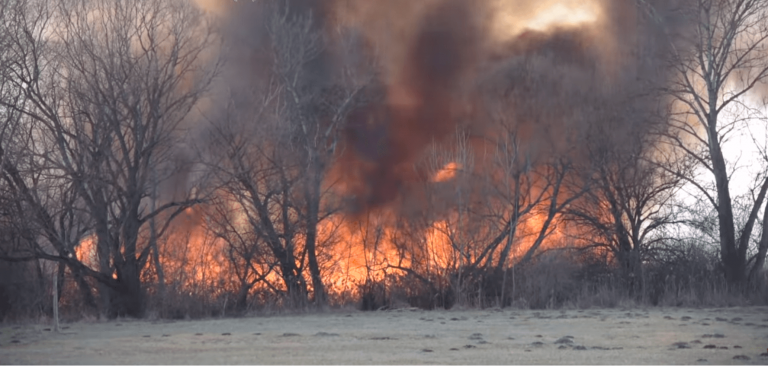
x=245, y=249
x=524, y=186
x=13, y=231
x=718, y=64
x=274, y=148
x=107, y=86
x=42, y=206
x=451, y=224
x=248, y=153
x=315, y=112
x=629, y=200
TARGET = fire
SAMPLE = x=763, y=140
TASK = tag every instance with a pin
x=355, y=251
x=448, y=172
x=440, y=250
x=368, y=251
x=85, y=252
x=363, y=251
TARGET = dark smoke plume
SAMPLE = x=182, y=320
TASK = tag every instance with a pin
x=420, y=106
x=441, y=66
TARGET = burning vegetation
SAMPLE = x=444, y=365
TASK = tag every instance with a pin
x=222, y=157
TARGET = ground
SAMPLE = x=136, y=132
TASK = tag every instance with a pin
x=409, y=336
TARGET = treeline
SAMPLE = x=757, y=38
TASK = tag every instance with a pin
x=156, y=168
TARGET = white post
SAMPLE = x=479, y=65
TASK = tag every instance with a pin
x=56, y=302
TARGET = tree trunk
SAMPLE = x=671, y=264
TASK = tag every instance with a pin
x=501, y=265
x=153, y=243
x=313, y=212
x=629, y=267
x=762, y=250
x=512, y=227
x=733, y=263
x=294, y=283
x=84, y=287
x=105, y=291
x=241, y=303
x=129, y=299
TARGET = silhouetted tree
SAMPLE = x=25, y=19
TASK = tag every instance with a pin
x=718, y=63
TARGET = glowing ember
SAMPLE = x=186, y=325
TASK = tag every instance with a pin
x=447, y=173
x=86, y=251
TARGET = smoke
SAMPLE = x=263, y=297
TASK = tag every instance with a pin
x=420, y=101
x=551, y=68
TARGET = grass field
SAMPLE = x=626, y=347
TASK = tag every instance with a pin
x=411, y=336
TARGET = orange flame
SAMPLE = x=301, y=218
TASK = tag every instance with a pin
x=448, y=172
